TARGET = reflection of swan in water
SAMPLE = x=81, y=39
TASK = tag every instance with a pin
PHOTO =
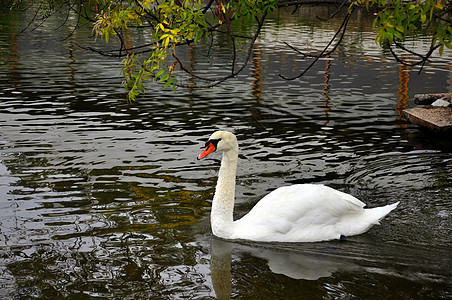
x=299, y=266
x=293, y=264
x=220, y=267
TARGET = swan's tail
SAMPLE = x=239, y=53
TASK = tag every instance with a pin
x=359, y=222
x=374, y=215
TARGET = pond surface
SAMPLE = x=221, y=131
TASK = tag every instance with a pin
x=104, y=199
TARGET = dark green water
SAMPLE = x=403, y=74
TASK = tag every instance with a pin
x=102, y=199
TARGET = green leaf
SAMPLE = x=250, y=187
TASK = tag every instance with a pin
x=164, y=78
x=448, y=45
x=167, y=84
x=159, y=73
x=389, y=36
x=400, y=28
x=423, y=18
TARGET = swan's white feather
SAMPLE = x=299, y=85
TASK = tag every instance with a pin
x=305, y=213
x=296, y=213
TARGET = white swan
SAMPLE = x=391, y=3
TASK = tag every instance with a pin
x=296, y=213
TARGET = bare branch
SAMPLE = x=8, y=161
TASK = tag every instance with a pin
x=32, y=20
x=421, y=62
x=324, y=52
x=336, y=12
x=217, y=81
x=206, y=8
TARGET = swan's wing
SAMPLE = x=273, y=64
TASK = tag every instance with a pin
x=299, y=209
x=297, y=201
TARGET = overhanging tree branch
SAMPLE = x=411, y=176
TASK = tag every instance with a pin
x=234, y=72
x=423, y=58
x=169, y=24
x=340, y=32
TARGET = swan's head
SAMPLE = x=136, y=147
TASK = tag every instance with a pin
x=221, y=141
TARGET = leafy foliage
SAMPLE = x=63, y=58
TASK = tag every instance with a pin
x=173, y=23
x=167, y=24
x=396, y=19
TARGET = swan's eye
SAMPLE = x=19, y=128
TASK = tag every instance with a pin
x=211, y=146
x=214, y=142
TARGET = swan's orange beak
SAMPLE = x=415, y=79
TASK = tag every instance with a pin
x=209, y=149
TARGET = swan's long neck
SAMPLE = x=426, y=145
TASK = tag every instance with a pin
x=223, y=201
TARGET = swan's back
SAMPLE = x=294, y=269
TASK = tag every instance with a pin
x=307, y=213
